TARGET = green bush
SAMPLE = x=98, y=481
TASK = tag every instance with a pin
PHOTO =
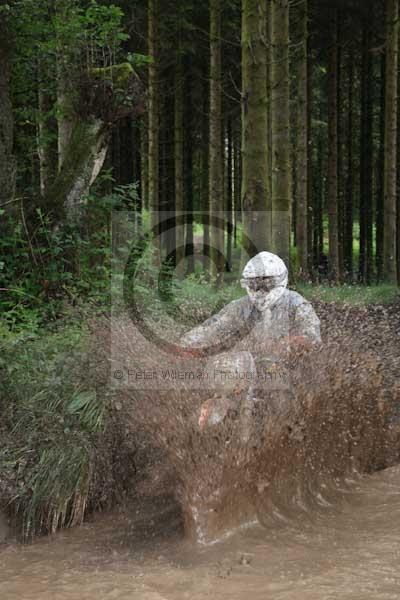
x=51, y=418
x=49, y=268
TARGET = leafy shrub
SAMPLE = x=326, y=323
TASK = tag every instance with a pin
x=49, y=268
x=53, y=418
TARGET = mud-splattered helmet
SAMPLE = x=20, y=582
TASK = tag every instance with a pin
x=265, y=278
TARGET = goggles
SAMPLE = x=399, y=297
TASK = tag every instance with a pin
x=257, y=284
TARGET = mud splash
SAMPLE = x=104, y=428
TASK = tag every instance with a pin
x=340, y=419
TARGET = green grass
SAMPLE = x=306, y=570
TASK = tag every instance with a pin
x=51, y=417
x=355, y=295
x=211, y=299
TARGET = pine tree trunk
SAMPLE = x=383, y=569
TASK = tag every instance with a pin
x=322, y=206
x=398, y=196
x=215, y=153
x=7, y=160
x=168, y=204
x=237, y=182
x=144, y=160
x=390, y=175
x=162, y=202
x=255, y=184
x=154, y=118
x=280, y=127
x=269, y=113
x=310, y=147
x=178, y=153
x=205, y=195
x=333, y=152
x=188, y=177
x=380, y=174
x=318, y=205
x=348, y=212
x=165, y=113
x=302, y=145
x=340, y=161
x=229, y=195
x=138, y=173
x=366, y=153
x=363, y=151
x=369, y=161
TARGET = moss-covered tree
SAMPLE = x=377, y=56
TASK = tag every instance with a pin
x=101, y=102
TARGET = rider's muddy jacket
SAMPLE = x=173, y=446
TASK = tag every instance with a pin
x=241, y=326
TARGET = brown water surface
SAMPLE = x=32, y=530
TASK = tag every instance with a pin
x=349, y=549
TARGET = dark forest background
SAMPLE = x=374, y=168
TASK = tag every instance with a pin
x=285, y=107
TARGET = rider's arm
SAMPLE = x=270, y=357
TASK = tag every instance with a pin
x=305, y=329
x=215, y=330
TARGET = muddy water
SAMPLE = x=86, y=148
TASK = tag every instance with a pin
x=348, y=549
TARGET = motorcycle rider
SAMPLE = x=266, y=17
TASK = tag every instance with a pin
x=262, y=327
x=270, y=313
